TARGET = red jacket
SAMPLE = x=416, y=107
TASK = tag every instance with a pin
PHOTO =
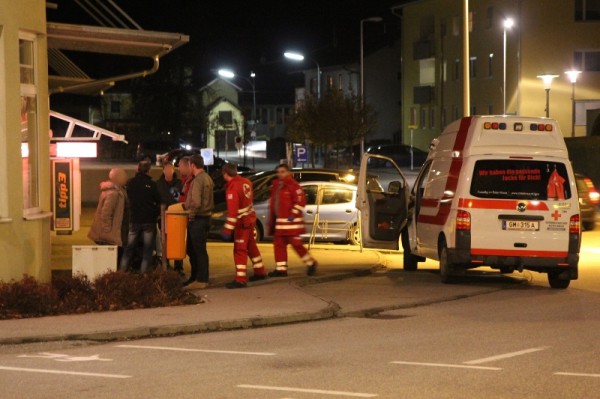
x=287, y=202
x=186, y=181
x=240, y=213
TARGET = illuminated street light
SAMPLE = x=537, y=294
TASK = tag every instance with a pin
x=226, y=73
x=573, y=75
x=547, y=79
x=507, y=24
x=362, y=72
x=291, y=55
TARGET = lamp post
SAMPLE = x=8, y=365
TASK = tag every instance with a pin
x=507, y=24
x=290, y=55
x=547, y=79
x=573, y=75
x=228, y=74
x=362, y=72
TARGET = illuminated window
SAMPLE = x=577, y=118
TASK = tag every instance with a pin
x=329, y=82
x=29, y=121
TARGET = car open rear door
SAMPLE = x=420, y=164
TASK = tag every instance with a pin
x=382, y=199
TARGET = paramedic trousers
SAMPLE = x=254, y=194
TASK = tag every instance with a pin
x=244, y=245
x=280, y=244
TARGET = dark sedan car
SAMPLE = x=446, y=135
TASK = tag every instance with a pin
x=401, y=154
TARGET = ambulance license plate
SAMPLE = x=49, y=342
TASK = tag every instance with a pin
x=520, y=225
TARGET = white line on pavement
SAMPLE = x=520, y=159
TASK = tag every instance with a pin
x=316, y=391
x=448, y=365
x=577, y=374
x=506, y=355
x=166, y=348
x=63, y=372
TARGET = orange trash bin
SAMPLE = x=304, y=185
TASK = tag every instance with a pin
x=176, y=234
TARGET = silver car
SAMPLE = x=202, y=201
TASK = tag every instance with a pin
x=333, y=204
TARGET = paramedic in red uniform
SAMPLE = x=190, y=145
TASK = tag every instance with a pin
x=241, y=220
x=286, y=207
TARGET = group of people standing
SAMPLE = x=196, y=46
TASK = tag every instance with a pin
x=128, y=212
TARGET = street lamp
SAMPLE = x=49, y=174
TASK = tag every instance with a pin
x=573, y=75
x=290, y=55
x=362, y=71
x=547, y=79
x=507, y=24
x=226, y=73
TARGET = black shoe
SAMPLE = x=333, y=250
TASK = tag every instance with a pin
x=235, y=284
x=311, y=270
x=278, y=273
x=257, y=277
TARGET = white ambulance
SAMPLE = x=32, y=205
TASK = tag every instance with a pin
x=495, y=191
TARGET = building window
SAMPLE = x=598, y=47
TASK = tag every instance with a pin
x=473, y=110
x=473, y=67
x=456, y=69
x=264, y=116
x=455, y=112
x=279, y=113
x=115, y=107
x=443, y=117
x=29, y=121
x=455, y=25
x=587, y=10
x=587, y=61
x=413, y=116
x=423, y=118
x=313, y=85
x=491, y=65
x=226, y=118
x=432, y=118
x=329, y=82
x=340, y=82
x=489, y=17
x=471, y=15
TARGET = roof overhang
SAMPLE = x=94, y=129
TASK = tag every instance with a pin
x=114, y=41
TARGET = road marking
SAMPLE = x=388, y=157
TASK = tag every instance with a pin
x=66, y=358
x=166, y=348
x=78, y=373
x=448, y=365
x=577, y=374
x=316, y=391
x=506, y=355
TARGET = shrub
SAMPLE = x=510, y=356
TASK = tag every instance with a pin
x=77, y=294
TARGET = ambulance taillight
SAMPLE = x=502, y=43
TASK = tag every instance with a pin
x=574, y=225
x=463, y=220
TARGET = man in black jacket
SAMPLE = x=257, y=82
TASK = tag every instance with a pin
x=169, y=186
x=144, y=201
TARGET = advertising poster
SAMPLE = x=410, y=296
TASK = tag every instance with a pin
x=62, y=194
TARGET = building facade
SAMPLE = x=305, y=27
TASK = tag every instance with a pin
x=24, y=141
x=544, y=40
x=225, y=120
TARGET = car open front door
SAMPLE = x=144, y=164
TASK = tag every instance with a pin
x=382, y=199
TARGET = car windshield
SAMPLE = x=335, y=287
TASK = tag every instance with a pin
x=520, y=179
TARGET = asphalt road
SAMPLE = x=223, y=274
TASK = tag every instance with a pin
x=523, y=340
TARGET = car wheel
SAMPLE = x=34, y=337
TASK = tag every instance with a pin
x=354, y=235
x=556, y=282
x=258, y=232
x=589, y=226
x=447, y=269
x=411, y=262
x=507, y=270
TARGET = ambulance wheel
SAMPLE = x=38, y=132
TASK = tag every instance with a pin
x=447, y=270
x=411, y=262
x=556, y=282
x=258, y=232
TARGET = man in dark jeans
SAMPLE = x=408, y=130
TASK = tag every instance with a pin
x=199, y=202
x=144, y=201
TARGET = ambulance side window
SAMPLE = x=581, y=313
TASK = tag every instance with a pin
x=420, y=186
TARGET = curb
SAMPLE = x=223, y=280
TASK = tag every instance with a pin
x=329, y=312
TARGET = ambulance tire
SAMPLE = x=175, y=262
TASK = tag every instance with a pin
x=556, y=282
x=447, y=270
x=411, y=262
x=258, y=232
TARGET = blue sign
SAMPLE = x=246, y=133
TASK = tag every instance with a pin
x=301, y=153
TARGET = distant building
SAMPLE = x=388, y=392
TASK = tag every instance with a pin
x=225, y=120
x=271, y=120
x=546, y=39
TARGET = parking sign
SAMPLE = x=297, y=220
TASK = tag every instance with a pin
x=301, y=154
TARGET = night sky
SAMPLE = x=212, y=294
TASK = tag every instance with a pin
x=248, y=35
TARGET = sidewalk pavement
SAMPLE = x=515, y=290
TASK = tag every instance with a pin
x=364, y=292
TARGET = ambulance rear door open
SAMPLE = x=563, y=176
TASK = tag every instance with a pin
x=382, y=199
